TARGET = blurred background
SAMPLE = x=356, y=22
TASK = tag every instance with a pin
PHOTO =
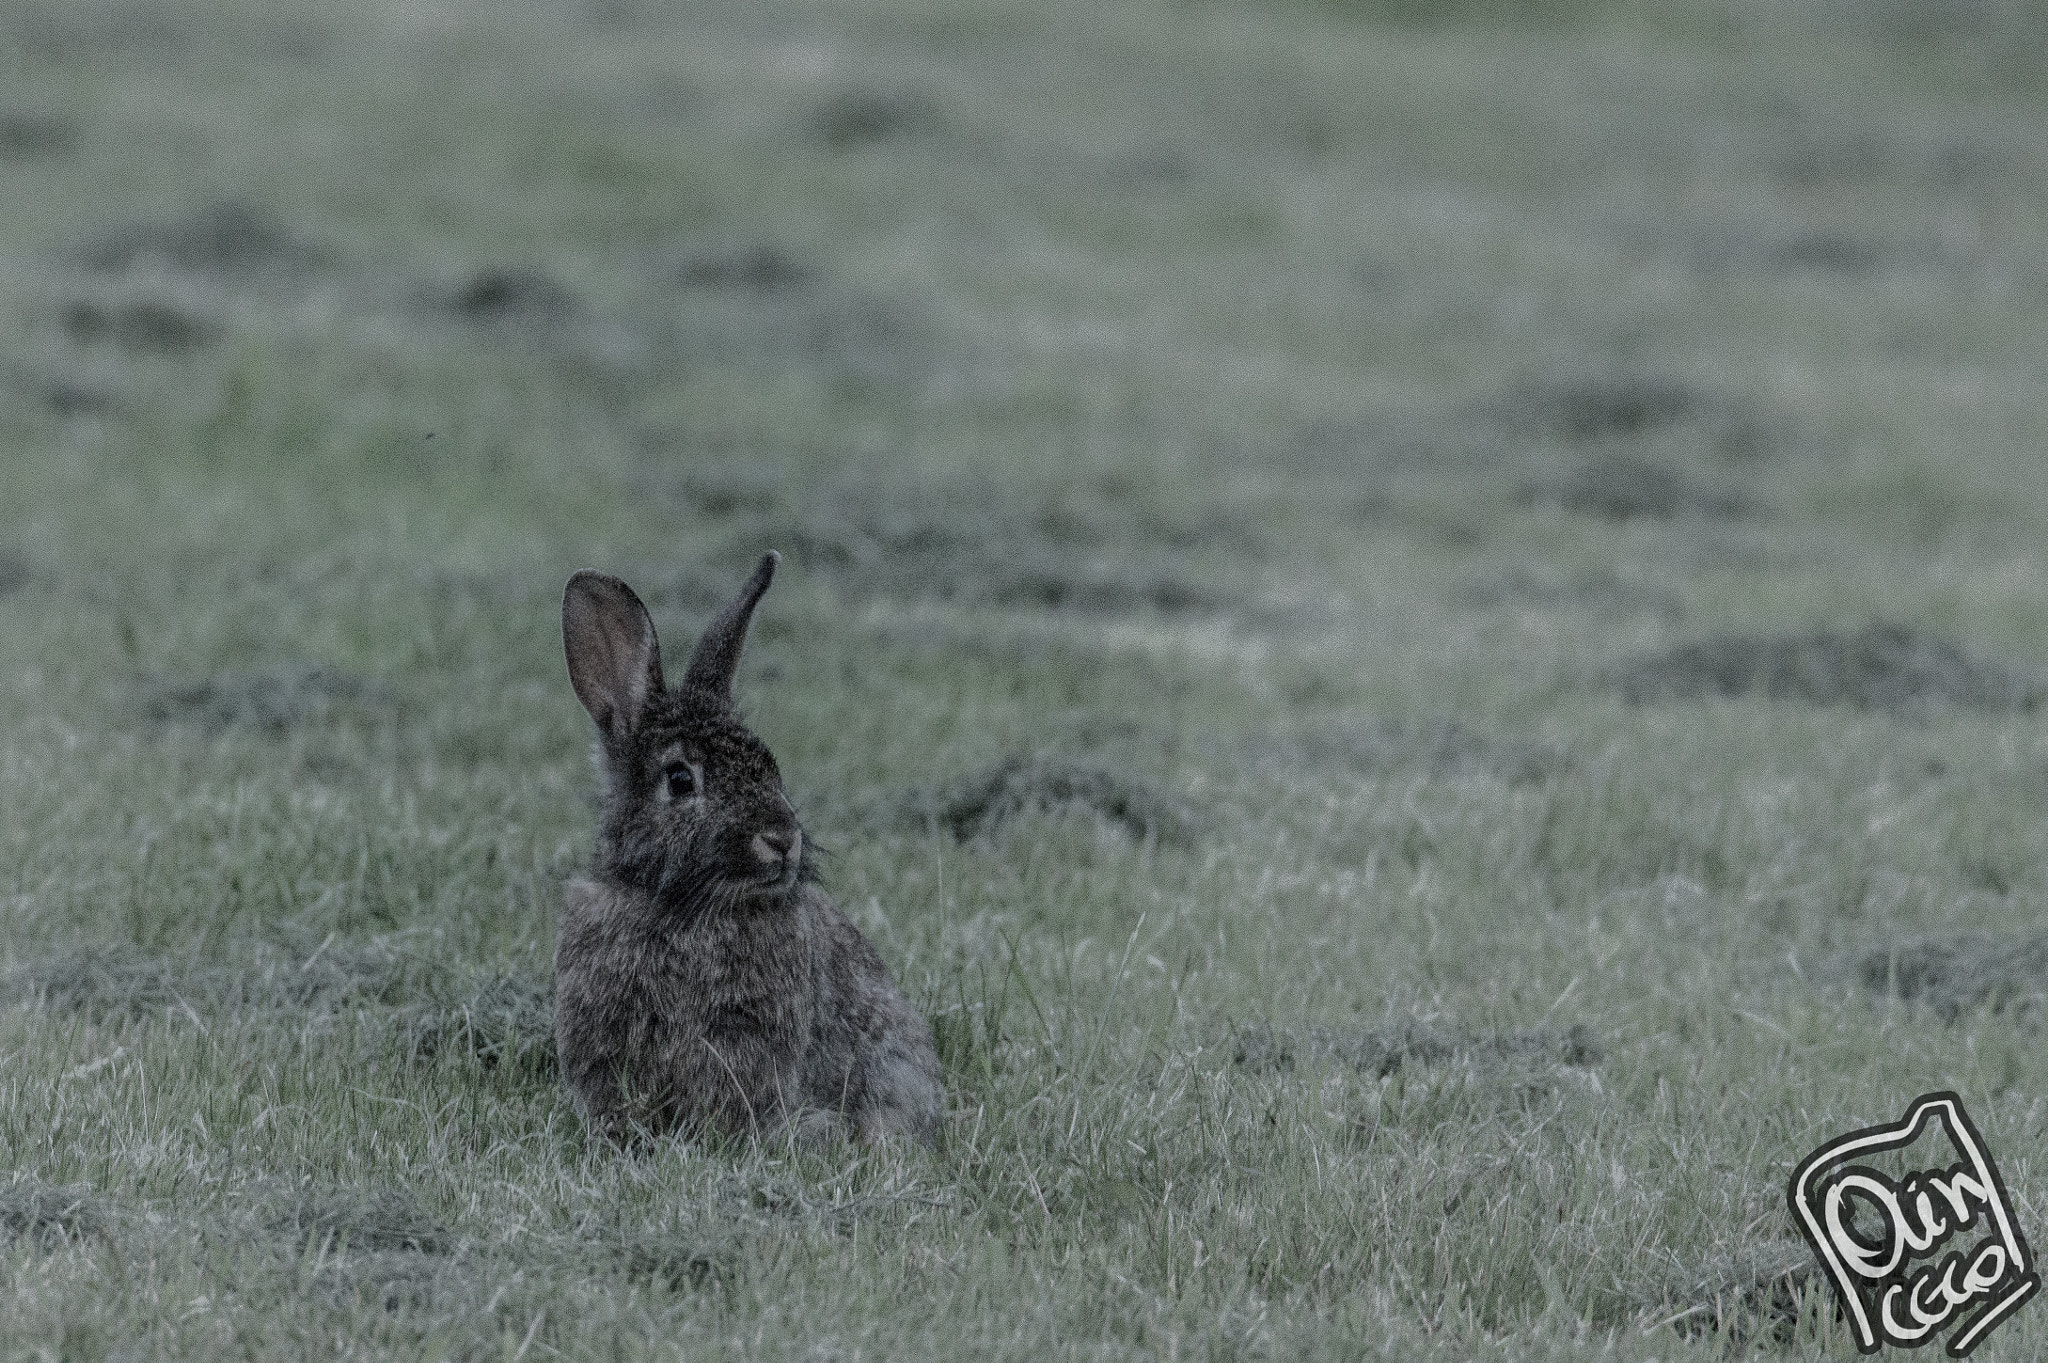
x=1466, y=358
x=1599, y=315
x=1518, y=519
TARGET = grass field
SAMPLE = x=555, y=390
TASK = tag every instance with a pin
x=1422, y=630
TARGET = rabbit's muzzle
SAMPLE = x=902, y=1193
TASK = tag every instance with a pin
x=780, y=854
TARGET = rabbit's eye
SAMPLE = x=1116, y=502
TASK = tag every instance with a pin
x=678, y=782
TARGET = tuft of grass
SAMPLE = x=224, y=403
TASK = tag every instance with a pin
x=1761, y=1296
x=375, y=1218
x=101, y=982
x=499, y=1020
x=1382, y=1051
x=48, y=1216
x=1953, y=974
x=982, y=803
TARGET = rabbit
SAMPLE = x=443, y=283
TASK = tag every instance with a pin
x=705, y=982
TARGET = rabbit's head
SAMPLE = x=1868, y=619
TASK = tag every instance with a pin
x=694, y=811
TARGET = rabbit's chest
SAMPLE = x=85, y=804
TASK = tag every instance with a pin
x=731, y=985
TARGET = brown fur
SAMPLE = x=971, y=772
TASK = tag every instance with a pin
x=704, y=981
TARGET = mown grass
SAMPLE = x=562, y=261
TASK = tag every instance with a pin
x=1417, y=627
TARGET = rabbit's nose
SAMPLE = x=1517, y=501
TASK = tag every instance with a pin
x=777, y=846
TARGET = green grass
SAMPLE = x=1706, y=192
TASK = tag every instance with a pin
x=1420, y=630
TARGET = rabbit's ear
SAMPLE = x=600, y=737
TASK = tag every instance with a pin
x=614, y=658
x=717, y=653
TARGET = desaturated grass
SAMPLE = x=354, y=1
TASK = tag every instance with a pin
x=1418, y=627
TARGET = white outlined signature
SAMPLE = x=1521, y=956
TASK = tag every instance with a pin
x=1893, y=1288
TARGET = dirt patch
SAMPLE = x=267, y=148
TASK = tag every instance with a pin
x=981, y=803
x=28, y=136
x=374, y=1218
x=1750, y=1297
x=1438, y=745
x=1827, y=253
x=272, y=701
x=1601, y=408
x=71, y=397
x=1956, y=974
x=83, y=388
x=1381, y=1051
x=1882, y=666
x=858, y=118
x=389, y=1280
x=678, y=1265
x=512, y=294
x=758, y=266
x=1620, y=487
x=1628, y=408
x=222, y=238
x=49, y=1215
x=140, y=324
x=15, y=572
x=1097, y=587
